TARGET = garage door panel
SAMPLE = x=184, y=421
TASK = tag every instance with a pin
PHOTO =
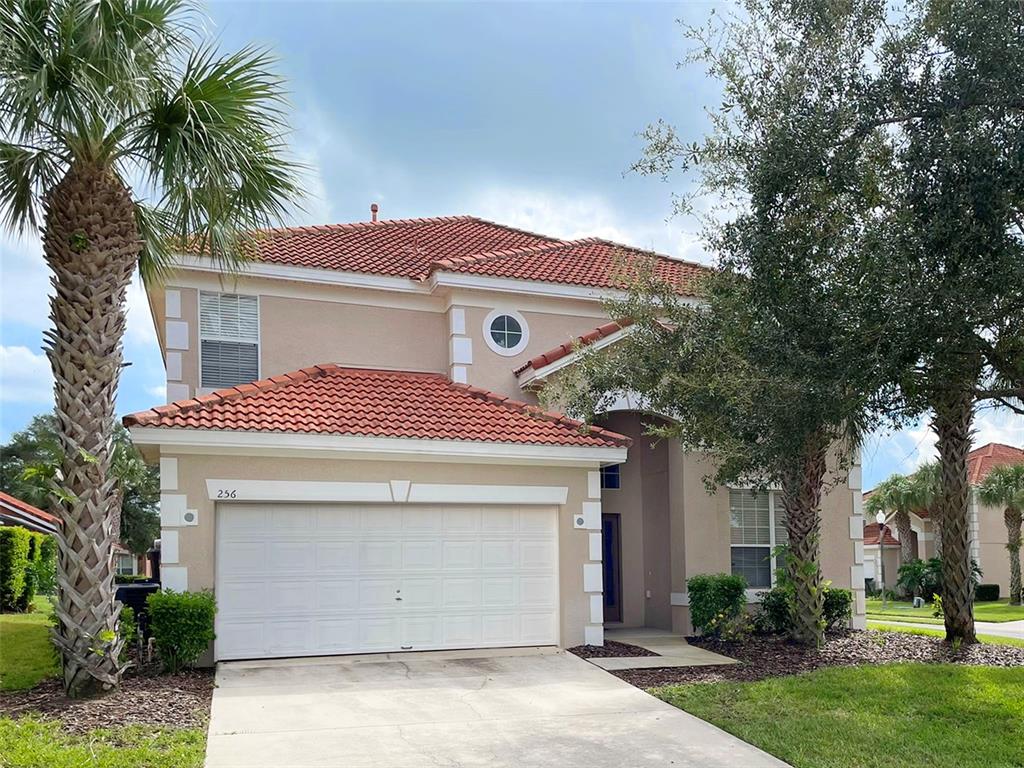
x=380, y=556
x=337, y=557
x=337, y=595
x=299, y=580
x=423, y=555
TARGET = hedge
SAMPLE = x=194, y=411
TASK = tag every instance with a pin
x=27, y=566
x=986, y=592
x=182, y=626
x=715, y=596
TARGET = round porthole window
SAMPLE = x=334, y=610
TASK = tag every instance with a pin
x=505, y=332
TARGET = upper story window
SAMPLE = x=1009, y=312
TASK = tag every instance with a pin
x=506, y=332
x=757, y=525
x=229, y=339
x=611, y=477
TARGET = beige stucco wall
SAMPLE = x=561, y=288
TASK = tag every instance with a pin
x=197, y=544
x=992, y=555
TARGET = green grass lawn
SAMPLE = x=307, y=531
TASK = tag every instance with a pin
x=997, y=610
x=907, y=715
x=986, y=639
x=26, y=654
x=29, y=743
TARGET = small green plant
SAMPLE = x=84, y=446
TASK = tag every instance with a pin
x=937, y=606
x=128, y=626
x=774, y=615
x=732, y=629
x=15, y=548
x=714, y=595
x=837, y=607
x=182, y=626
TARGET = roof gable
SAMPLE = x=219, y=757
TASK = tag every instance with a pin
x=981, y=461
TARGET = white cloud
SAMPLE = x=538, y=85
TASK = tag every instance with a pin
x=139, y=327
x=25, y=376
x=576, y=216
x=24, y=282
x=159, y=391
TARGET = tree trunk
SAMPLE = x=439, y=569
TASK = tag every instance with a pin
x=954, y=413
x=92, y=245
x=801, y=496
x=907, y=550
x=1013, y=518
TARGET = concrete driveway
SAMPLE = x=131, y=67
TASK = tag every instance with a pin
x=522, y=708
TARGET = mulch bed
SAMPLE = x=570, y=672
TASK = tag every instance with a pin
x=609, y=649
x=171, y=701
x=761, y=657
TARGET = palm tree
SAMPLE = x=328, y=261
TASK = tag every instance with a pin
x=1004, y=487
x=925, y=488
x=897, y=494
x=96, y=95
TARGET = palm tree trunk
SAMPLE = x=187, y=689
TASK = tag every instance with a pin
x=92, y=245
x=907, y=550
x=801, y=496
x=954, y=413
x=1013, y=518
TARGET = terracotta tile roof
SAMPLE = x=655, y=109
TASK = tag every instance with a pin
x=591, y=262
x=416, y=248
x=394, y=247
x=983, y=460
x=21, y=509
x=601, y=332
x=871, y=536
x=329, y=399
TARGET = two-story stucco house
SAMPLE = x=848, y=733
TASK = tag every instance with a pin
x=350, y=459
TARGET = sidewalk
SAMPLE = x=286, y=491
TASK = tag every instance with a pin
x=1014, y=629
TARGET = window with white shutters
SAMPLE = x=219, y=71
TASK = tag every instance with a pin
x=229, y=339
x=757, y=523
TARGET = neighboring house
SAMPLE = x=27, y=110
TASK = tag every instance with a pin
x=872, y=551
x=987, y=529
x=385, y=482
x=127, y=563
x=16, y=512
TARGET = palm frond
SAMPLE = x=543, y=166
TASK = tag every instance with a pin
x=24, y=173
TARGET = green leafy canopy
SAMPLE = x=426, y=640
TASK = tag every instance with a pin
x=130, y=86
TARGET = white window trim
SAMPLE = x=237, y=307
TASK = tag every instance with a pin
x=772, y=559
x=200, y=389
x=493, y=345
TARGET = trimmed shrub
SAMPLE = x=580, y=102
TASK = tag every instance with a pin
x=986, y=592
x=714, y=598
x=15, y=543
x=837, y=608
x=774, y=617
x=45, y=566
x=182, y=626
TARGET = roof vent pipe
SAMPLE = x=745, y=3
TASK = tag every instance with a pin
x=373, y=212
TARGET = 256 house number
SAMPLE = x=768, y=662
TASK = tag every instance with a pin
x=227, y=493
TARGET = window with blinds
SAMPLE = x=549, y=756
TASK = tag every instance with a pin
x=757, y=524
x=229, y=339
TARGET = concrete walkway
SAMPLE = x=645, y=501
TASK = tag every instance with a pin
x=672, y=650
x=1014, y=629
x=525, y=708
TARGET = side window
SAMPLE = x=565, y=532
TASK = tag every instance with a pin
x=611, y=477
x=228, y=339
x=757, y=525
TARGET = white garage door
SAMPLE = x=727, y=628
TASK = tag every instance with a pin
x=301, y=580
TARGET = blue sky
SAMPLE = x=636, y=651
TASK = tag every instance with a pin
x=522, y=113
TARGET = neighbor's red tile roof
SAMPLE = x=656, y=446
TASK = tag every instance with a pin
x=417, y=248
x=591, y=262
x=983, y=460
x=329, y=399
x=563, y=350
x=23, y=508
x=871, y=535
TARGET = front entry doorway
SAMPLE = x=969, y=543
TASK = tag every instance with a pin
x=611, y=563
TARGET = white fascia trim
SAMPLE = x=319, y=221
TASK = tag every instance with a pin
x=354, y=446
x=226, y=491
x=540, y=374
x=309, y=275
x=535, y=287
